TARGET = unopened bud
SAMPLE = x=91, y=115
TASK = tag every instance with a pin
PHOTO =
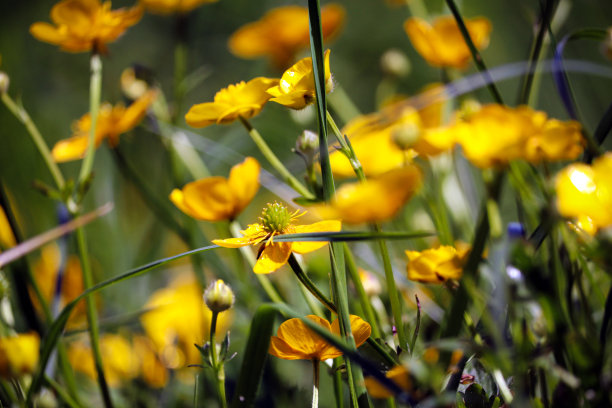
x=406, y=136
x=468, y=108
x=395, y=63
x=307, y=145
x=219, y=296
x=132, y=85
x=4, y=82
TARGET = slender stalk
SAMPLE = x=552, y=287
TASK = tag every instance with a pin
x=315, y=386
x=274, y=160
x=217, y=365
x=309, y=284
x=338, y=393
x=65, y=396
x=92, y=317
x=95, y=89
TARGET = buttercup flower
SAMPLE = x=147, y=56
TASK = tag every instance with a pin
x=520, y=133
x=112, y=121
x=442, y=44
x=282, y=32
x=374, y=200
x=436, y=265
x=296, y=88
x=18, y=355
x=585, y=193
x=242, y=99
x=84, y=25
x=7, y=239
x=398, y=374
x=295, y=341
x=218, y=198
x=276, y=220
x=173, y=6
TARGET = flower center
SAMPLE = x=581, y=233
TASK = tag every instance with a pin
x=275, y=218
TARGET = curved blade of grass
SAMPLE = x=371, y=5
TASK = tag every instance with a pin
x=601, y=132
x=255, y=354
x=57, y=327
x=345, y=236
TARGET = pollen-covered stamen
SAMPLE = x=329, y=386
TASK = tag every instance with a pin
x=275, y=218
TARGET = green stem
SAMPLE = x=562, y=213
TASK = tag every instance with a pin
x=22, y=115
x=309, y=284
x=346, y=148
x=65, y=396
x=275, y=162
x=315, y=385
x=417, y=8
x=92, y=317
x=217, y=365
x=95, y=89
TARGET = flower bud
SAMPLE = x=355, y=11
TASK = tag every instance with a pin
x=395, y=63
x=307, y=145
x=219, y=296
x=406, y=136
x=4, y=82
x=468, y=108
x=132, y=83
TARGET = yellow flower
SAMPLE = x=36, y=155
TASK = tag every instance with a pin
x=296, y=88
x=173, y=6
x=242, y=99
x=152, y=370
x=436, y=265
x=442, y=44
x=374, y=200
x=119, y=360
x=497, y=134
x=585, y=193
x=282, y=32
x=177, y=318
x=295, y=341
x=398, y=374
x=276, y=220
x=7, y=239
x=218, y=198
x=112, y=121
x=18, y=355
x=85, y=25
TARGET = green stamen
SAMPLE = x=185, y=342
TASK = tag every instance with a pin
x=275, y=218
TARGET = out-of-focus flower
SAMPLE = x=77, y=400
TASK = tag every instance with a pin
x=395, y=63
x=218, y=198
x=7, y=239
x=442, y=44
x=4, y=82
x=497, y=134
x=152, y=370
x=296, y=88
x=398, y=374
x=277, y=220
x=585, y=193
x=173, y=6
x=85, y=25
x=282, y=32
x=374, y=200
x=436, y=265
x=371, y=284
x=118, y=359
x=18, y=355
x=606, y=46
x=133, y=85
x=219, y=296
x=177, y=318
x=244, y=99
x=295, y=341
x=112, y=121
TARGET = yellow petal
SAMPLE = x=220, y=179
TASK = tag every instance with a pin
x=211, y=199
x=281, y=349
x=7, y=239
x=297, y=341
x=398, y=374
x=177, y=197
x=47, y=33
x=273, y=257
x=254, y=234
x=70, y=149
x=309, y=246
x=244, y=183
x=360, y=328
x=134, y=113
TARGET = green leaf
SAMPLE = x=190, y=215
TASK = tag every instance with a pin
x=475, y=397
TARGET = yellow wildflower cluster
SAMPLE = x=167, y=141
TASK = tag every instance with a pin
x=18, y=354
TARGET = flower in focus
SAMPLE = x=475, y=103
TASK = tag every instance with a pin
x=7, y=239
x=295, y=341
x=296, y=88
x=84, y=25
x=442, y=44
x=276, y=220
x=282, y=32
x=18, y=354
x=112, y=121
x=118, y=359
x=176, y=319
x=497, y=134
x=436, y=265
x=398, y=374
x=585, y=193
x=374, y=200
x=218, y=198
x=173, y=6
x=244, y=99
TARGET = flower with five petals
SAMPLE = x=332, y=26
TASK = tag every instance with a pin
x=276, y=220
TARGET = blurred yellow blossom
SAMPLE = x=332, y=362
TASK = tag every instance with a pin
x=584, y=192
x=296, y=341
x=112, y=121
x=398, y=374
x=277, y=220
x=436, y=265
x=441, y=43
x=18, y=354
x=296, y=88
x=497, y=134
x=177, y=318
x=218, y=198
x=7, y=239
x=85, y=25
x=244, y=99
x=152, y=370
x=282, y=32
x=374, y=200
x=173, y=6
